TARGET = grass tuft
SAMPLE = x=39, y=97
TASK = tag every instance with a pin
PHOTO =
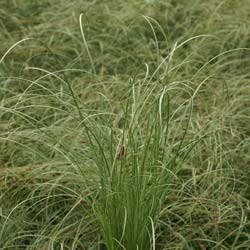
x=124, y=125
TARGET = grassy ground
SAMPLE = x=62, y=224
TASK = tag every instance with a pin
x=124, y=124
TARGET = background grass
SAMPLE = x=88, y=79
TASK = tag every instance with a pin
x=169, y=80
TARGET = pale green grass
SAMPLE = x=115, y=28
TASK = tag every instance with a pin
x=124, y=125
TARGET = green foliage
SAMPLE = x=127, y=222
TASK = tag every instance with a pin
x=124, y=124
